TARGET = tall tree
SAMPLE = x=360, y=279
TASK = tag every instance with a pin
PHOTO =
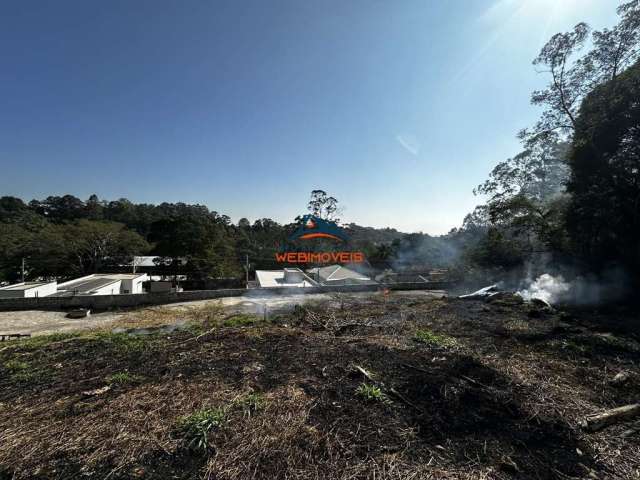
x=323, y=206
x=604, y=218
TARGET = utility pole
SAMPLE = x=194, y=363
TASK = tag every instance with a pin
x=246, y=269
x=22, y=271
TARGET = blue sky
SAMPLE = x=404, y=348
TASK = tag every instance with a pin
x=399, y=109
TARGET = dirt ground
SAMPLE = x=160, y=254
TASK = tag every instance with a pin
x=346, y=387
x=41, y=322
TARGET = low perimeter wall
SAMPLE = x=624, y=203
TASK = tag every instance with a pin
x=106, y=302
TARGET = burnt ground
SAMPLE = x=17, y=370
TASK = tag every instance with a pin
x=467, y=390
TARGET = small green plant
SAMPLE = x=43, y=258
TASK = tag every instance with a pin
x=370, y=393
x=250, y=404
x=15, y=366
x=240, y=320
x=575, y=347
x=23, y=372
x=430, y=338
x=124, y=343
x=195, y=328
x=196, y=428
x=122, y=378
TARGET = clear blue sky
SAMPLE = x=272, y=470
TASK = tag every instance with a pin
x=397, y=108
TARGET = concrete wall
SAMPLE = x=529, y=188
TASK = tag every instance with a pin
x=160, y=287
x=106, y=302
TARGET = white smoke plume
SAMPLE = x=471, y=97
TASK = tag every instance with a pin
x=548, y=288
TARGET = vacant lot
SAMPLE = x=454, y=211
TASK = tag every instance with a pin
x=345, y=388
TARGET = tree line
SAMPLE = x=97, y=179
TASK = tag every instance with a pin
x=65, y=237
x=573, y=193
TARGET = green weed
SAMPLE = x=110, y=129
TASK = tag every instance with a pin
x=123, y=343
x=122, y=378
x=241, y=319
x=430, y=338
x=197, y=427
x=250, y=404
x=23, y=372
x=370, y=393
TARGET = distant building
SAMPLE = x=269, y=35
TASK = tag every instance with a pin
x=339, y=275
x=28, y=290
x=155, y=265
x=435, y=275
x=103, y=284
x=287, y=278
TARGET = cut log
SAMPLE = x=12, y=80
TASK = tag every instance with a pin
x=366, y=374
x=620, y=379
x=593, y=423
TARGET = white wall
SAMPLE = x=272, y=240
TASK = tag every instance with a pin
x=133, y=285
x=111, y=289
x=42, y=290
x=36, y=291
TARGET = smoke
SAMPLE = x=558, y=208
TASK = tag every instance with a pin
x=582, y=290
x=548, y=288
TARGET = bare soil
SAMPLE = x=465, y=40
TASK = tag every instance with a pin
x=469, y=390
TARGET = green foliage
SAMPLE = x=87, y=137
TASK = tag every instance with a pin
x=197, y=427
x=370, y=393
x=574, y=190
x=604, y=214
x=122, y=378
x=241, y=319
x=250, y=404
x=498, y=248
x=123, y=343
x=323, y=206
x=24, y=372
x=430, y=338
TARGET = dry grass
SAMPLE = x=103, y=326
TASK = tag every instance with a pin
x=150, y=317
x=273, y=401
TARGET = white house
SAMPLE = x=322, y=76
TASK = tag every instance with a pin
x=287, y=278
x=103, y=284
x=28, y=290
x=339, y=275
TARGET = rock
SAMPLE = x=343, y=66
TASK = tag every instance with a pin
x=79, y=313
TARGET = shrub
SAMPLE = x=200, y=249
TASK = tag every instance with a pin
x=196, y=428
